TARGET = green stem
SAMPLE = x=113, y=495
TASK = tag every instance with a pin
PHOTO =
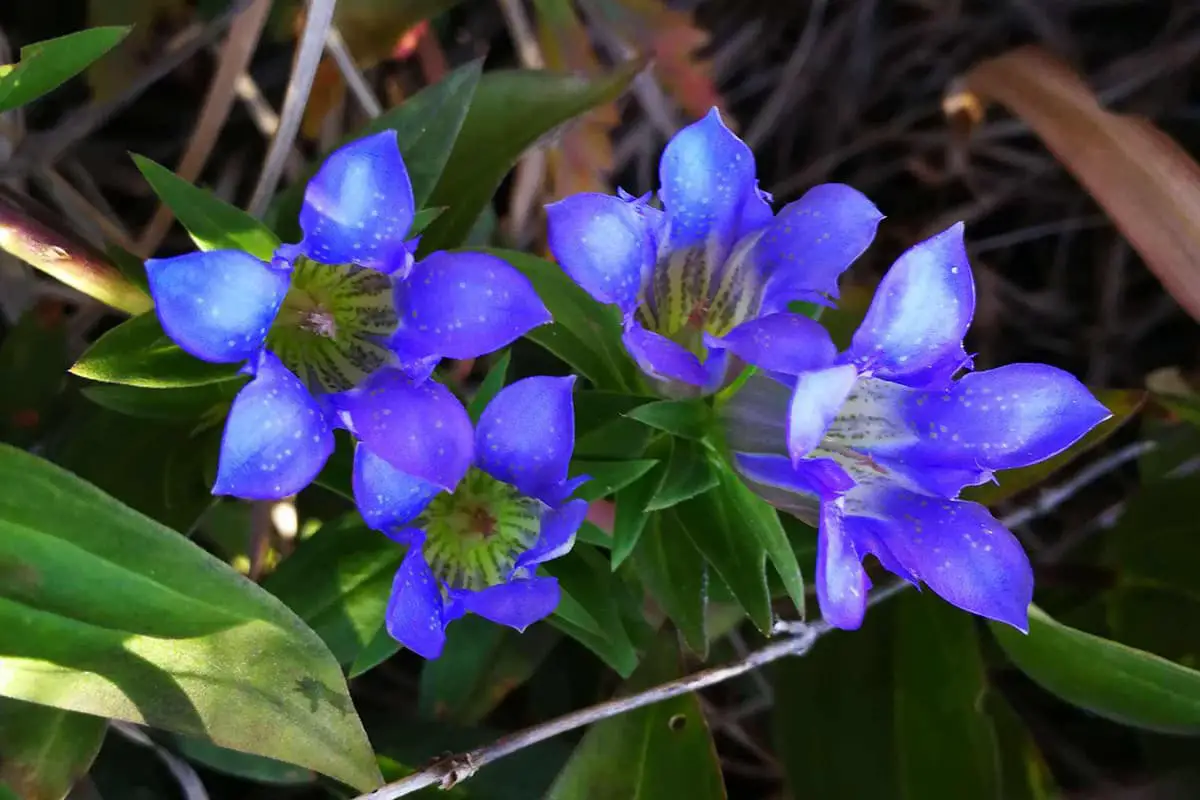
x=25, y=234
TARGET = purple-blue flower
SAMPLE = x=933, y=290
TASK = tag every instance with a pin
x=479, y=508
x=328, y=313
x=875, y=444
x=689, y=276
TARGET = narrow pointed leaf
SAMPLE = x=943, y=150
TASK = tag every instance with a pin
x=45, y=66
x=138, y=353
x=673, y=572
x=44, y=750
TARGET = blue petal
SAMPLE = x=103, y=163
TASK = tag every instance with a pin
x=463, y=305
x=420, y=429
x=385, y=496
x=218, y=305
x=822, y=477
x=783, y=342
x=414, y=612
x=756, y=212
x=842, y=582
x=913, y=331
x=812, y=241
x=815, y=403
x=603, y=244
x=517, y=604
x=526, y=434
x=276, y=439
x=661, y=358
x=359, y=206
x=557, y=536
x=1005, y=418
x=961, y=552
x=871, y=535
x=707, y=176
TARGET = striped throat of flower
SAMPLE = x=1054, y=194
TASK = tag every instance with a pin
x=474, y=536
x=334, y=324
x=700, y=290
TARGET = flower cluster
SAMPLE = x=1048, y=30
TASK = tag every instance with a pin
x=343, y=331
x=692, y=278
x=877, y=442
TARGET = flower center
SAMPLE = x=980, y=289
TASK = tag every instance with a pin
x=473, y=536
x=333, y=326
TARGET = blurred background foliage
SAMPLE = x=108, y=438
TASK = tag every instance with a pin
x=1063, y=132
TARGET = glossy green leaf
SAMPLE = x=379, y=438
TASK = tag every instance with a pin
x=212, y=223
x=242, y=765
x=45, y=66
x=673, y=572
x=44, y=750
x=138, y=353
x=159, y=633
x=589, y=609
x=208, y=402
x=758, y=518
x=630, y=517
x=481, y=665
x=1123, y=403
x=338, y=581
x=663, y=750
x=688, y=474
x=426, y=124
x=510, y=111
x=715, y=528
x=689, y=419
x=596, y=409
x=1112, y=680
x=491, y=385
x=608, y=477
x=380, y=648
x=945, y=740
x=584, y=334
x=33, y=356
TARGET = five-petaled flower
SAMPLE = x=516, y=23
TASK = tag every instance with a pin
x=328, y=313
x=877, y=442
x=692, y=277
x=500, y=505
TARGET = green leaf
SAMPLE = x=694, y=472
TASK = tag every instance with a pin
x=688, y=474
x=44, y=750
x=689, y=419
x=482, y=663
x=608, y=477
x=630, y=518
x=946, y=743
x=714, y=527
x=1123, y=403
x=662, y=750
x=1130, y=686
x=590, y=609
x=338, y=581
x=138, y=353
x=1024, y=774
x=380, y=648
x=47, y=65
x=104, y=611
x=511, y=110
x=762, y=521
x=579, y=322
x=242, y=765
x=212, y=223
x=207, y=402
x=674, y=574
x=33, y=355
x=491, y=385
x=426, y=124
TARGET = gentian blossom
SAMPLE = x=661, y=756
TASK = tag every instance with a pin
x=875, y=444
x=475, y=547
x=324, y=315
x=689, y=276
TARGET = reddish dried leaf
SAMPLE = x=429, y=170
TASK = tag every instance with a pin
x=1141, y=177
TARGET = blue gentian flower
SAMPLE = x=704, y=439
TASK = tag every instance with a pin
x=325, y=314
x=874, y=444
x=473, y=548
x=688, y=276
